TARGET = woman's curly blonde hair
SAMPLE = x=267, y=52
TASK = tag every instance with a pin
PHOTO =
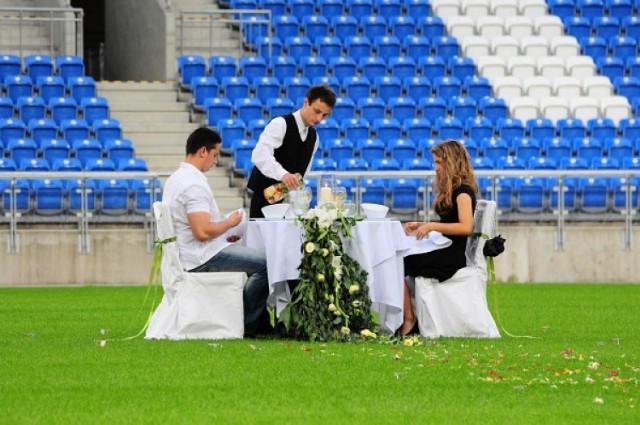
x=458, y=170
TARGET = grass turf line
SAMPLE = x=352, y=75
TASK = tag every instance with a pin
x=585, y=369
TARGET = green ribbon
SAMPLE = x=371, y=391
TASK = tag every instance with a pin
x=154, y=282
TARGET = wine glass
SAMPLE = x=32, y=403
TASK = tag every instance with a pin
x=340, y=196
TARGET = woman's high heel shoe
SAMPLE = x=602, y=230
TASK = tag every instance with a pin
x=408, y=328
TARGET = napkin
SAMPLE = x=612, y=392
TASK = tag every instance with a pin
x=240, y=229
x=435, y=240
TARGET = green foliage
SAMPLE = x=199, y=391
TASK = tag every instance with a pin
x=331, y=301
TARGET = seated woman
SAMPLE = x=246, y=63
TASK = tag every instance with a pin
x=455, y=203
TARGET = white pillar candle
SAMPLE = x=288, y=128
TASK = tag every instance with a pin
x=326, y=195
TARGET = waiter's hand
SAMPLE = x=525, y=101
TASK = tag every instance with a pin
x=291, y=181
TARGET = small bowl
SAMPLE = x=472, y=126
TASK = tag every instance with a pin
x=275, y=211
x=375, y=210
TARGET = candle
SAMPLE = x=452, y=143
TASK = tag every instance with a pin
x=326, y=195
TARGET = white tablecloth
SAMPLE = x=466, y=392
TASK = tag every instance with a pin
x=378, y=246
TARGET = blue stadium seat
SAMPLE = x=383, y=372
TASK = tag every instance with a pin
x=6, y=107
x=601, y=128
x=417, y=87
x=235, y=87
x=430, y=26
x=230, y=130
x=203, y=88
x=87, y=149
x=38, y=65
x=145, y=193
x=387, y=46
x=402, y=149
x=373, y=191
x=590, y=8
x=73, y=130
x=81, y=87
x=461, y=67
x=266, y=88
x=20, y=191
x=285, y=26
x=387, y=128
x=425, y=146
x=619, y=187
x=344, y=26
x=343, y=66
x=66, y=164
x=329, y=129
x=50, y=86
x=619, y=8
x=296, y=87
x=416, y=7
x=631, y=163
x=359, y=8
x=402, y=26
x=494, y=148
x=372, y=26
x=315, y=26
x=131, y=164
x=510, y=129
x=114, y=196
x=18, y=86
x=632, y=66
x=493, y=108
x=355, y=128
x=280, y=106
x=298, y=47
x=387, y=87
x=433, y=107
x=606, y=26
x=12, y=128
x=276, y=7
x=479, y=128
x=242, y=149
x=605, y=163
x=445, y=46
x=627, y=86
x=629, y=128
x=330, y=8
x=506, y=188
x=618, y=148
x=417, y=128
x=596, y=47
x=371, y=149
x=119, y=149
x=313, y=66
x=540, y=128
x=371, y=108
x=562, y=8
x=372, y=67
x=20, y=149
x=222, y=66
x=593, y=192
x=49, y=196
x=416, y=46
x=79, y=189
x=345, y=108
x=402, y=66
x=477, y=87
x=531, y=195
x=328, y=47
x=388, y=7
x=510, y=163
x=623, y=47
x=404, y=195
x=69, y=66
x=44, y=129
x=448, y=128
x=339, y=149
x=268, y=47
x=255, y=128
x=283, y=67
x=587, y=148
x=356, y=87
x=557, y=148
x=463, y=107
x=324, y=164
x=34, y=164
x=578, y=26
x=94, y=108
x=248, y=108
x=353, y=164
x=402, y=108
x=417, y=164
x=302, y=7
x=526, y=148
x=10, y=65
x=62, y=108
x=31, y=108
x=482, y=163
x=631, y=25
x=447, y=87
x=433, y=67
x=612, y=67
x=574, y=163
x=471, y=146
x=217, y=108
x=189, y=66
x=253, y=67
x=330, y=81
x=107, y=129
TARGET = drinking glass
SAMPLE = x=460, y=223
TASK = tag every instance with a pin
x=300, y=200
x=340, y=196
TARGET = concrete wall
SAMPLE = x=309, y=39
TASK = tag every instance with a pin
x=139, y=44
x=593, y=253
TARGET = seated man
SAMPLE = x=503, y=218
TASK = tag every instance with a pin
x=201, y=229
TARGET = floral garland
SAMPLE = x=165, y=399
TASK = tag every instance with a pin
x=331, y=301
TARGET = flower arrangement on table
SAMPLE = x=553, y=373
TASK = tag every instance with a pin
x=331, y=301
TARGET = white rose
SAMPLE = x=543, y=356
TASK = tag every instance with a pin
x=353, y=289
x=310, y=247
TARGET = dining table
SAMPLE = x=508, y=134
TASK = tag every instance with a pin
x=378, y=245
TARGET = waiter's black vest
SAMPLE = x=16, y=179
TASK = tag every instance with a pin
x=294, y=155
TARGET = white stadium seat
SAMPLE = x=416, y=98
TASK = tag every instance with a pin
x=537, y=87
x=554, y=108
x=490, y=26
x=565, y=46
x=492, y=67
x=567, y=87
x=580, y=67
x=461, y=27
x=551, y=67
x=475, y=47
x=504, y=7
x=534, y=46
x=584, y=108
x=445, y=8
x=533, y=8
x=505, y=46
x=548, y=26
x=597, y=87
x=507, y=87
x=519, y=26
x=475, y=8
x=615, y=107
x=524, y=108
x=521, y=67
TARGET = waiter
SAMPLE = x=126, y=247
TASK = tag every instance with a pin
x=287, y=145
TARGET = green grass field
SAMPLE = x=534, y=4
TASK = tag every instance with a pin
x=584, y=368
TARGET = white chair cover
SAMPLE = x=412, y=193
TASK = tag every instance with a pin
x=194, y=305
x=458, y=307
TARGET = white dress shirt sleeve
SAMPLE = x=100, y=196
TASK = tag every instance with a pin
x=271, y=139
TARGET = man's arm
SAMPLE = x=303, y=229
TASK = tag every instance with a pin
x=204, y=230
x=271, y=139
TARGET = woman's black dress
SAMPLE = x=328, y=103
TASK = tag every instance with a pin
x=441, y=264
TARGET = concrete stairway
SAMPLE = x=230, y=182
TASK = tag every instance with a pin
x=158, y=125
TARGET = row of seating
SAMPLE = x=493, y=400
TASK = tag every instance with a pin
x=603, y=26
x=594, y=8
x=83, y=162
x=91, y=109
x=64, y=196
x=36, y=66
x=48, y=87
x=69, y=128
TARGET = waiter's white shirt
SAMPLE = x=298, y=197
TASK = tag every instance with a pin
x=271, y=139
x=187, y=191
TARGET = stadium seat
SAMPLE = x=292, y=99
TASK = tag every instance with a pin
x=201, y=89
x=283, y=67
x=461, y=26
x=402, y=108
x=330, y=81
x=587, y=148
x=189, y=66
x=548, y=26
x=315, y=26
x=402, y=66
x=119, y=149
x=31, y=108
x=510, y=129
x=571, y=128
x=296, y=87
x=540, y=128
x=329, y=129
x=404, y=195
x=385, y=164
x=476, y=87
x=145, y=193
x=593, y=194
x=344, y=26
x=448, y=128
x=353, y=164
x=387, y=128
x=131, y=164
x=447, y=87
x=49, y=196
x=285, y=26
x=345, y=108
x=623, y=47
x=230, y=130
x=242, y=149
x=81, y=87
x=265, y=88
x=38, y=65
x=432, y=107
x=18, y=86
x=550, y=67
x=601, y=128
x=50, y=86
x=248, y=108
x=6, y=107
x=328, y=47
x=343, y=66
x=255, y=128
x=339, y=149
x=217, y=108
x=526, y=148
x=530, y=195
x=298, y=47
x=595, y=47
x=493, y=108
x=66, y=164
x=494, y=149
x=554, y=108
x=615, y=107
x=491, y=67
x=417, y=87
x=372, y=26
x=508, y=88
x=268, y=47
x=73, y=130
x=12, y=128
x=373, y=191
x=10, y=65
x=280, y=106
x=387, y=46
x=557, y=148
x=401, y=149
x=355, y=128
x=94, y=108
x=612, y=67
x=415, y=46
x=43, y=129
x=564, y=46
x=22, y=149
x=479, y=128
x=524, y=108
x=356, y=87
x=62, y=108
x=86, y=149
x=107, y=129
x=324, y=164
x=416, y=8
x=578, y=26
x=463, y=107
x=301, y=7
x=114, y=196
x=372, y=67
x=387, y=87
x=414, y=164
x=312, y=66
x=417, y=128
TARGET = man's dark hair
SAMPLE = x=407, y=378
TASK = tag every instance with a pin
x=200, y=137
x=322, y=92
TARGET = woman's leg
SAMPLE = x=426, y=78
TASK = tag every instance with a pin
x=409, y=313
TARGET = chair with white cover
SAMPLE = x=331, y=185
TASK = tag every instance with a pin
x=554, y=108
x=597, y=87
x=194, y=305
x=615, y=107
x=475, y=47
x=458, y=307
x=534, y=46
x=490, y=26
x=550, y=67
x=524, y=108
x=584, y=108
x=507, y=87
